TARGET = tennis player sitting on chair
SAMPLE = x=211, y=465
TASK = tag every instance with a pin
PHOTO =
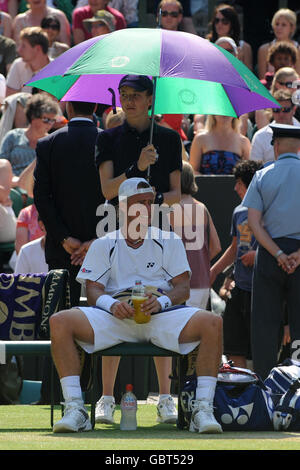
x=137, y=251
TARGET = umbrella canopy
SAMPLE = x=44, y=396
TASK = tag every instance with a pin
x=192, y=75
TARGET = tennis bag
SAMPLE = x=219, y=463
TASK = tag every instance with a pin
x=282, y=377
x=241, y=402
x=286, y=416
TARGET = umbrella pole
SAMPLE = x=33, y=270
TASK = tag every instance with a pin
x=152, y=121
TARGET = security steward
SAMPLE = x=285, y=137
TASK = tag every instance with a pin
x=273, y=201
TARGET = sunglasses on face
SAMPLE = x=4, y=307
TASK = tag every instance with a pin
x=174, y=14
x=222, y=20
x=283, y=110
x=287, y=84
x=48, y=120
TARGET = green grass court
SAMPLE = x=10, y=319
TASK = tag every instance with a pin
x=27, y=427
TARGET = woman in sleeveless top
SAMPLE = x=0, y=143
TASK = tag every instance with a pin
x=284, y=24
x=217, y=149
x=192, y=222
x=225, y=22
x=33, y=17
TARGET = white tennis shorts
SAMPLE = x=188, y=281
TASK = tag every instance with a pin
x=163, y=330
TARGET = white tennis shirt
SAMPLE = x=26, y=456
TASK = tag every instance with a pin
x=111, y=262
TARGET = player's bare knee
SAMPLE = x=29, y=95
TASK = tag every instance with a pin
x=210, y=322
x=58, y=323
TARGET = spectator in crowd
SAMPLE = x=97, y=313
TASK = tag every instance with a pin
x=31, y=257
x=5, y=24
x=281, y=54
x=7, y=215
x=225, y=22
x=284, y=24
x=219, y=147
x=51, y=25
x=18, y=146
x=241, y=252
x=124, y=152
x=228, y=44
x=285, y=79
x=33, y=17
x=102, y=22
x=33, y=52
x=10, y=7
x=192, y=222
x=273, y=203
x=82, y=13
x=28, y=227
x=65, y=162
x=74, y=326
x=169, y=14
x=261, y=145
x=186, y=24
x=8, y=54
x=130, y=10
x=13, y=112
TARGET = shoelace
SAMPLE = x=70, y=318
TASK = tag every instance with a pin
x=199, y=406
x=168, y=403
x=102, y=403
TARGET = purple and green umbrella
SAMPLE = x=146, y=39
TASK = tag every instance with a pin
x=191, y=75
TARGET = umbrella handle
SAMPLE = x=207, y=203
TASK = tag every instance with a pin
x=113, y=100
x=152, y=121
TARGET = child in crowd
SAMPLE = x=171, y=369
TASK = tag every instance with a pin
x=241, y=252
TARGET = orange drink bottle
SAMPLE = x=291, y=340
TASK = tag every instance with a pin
x=138, y=297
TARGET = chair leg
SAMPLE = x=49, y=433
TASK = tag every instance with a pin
x=180, y=419
x=52, y=392
x=93, y=390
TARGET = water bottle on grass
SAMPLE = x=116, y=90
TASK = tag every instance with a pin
x=128, y=410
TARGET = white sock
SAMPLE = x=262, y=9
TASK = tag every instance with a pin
x=206, y=386
x=106, y=397
x=163, y=396
x=71, y=387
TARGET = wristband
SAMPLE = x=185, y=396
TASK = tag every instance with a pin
x=164, y=301
x=105, y=302
x=133, y=171
x=279, y=252
x=159, y=198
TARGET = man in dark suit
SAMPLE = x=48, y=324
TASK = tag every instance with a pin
x=67, y=191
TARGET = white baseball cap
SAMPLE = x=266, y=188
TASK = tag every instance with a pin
x=130, y=188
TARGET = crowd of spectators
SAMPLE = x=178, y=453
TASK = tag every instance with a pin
x=35, y=32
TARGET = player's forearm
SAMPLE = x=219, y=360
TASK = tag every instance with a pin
x=179, y=294
x=260, y=233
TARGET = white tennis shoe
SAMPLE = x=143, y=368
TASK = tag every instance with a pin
x=75, y=418
x=166, y=411
x=203, y=420
x=105, y=409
